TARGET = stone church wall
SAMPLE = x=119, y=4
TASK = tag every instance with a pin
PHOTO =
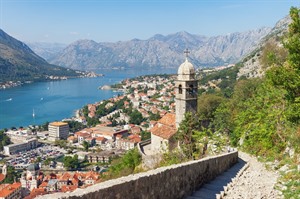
x=174, y=181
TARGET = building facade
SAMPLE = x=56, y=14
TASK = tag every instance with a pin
x=29, y=144
x=58, y=131
x=186, y=89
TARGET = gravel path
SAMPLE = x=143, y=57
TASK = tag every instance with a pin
x=256, y=182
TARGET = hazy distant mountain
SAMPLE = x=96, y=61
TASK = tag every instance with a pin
x=46, y=50
x=160, y=51
x=19, y=62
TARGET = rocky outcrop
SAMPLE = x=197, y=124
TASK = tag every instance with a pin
x=252, y=67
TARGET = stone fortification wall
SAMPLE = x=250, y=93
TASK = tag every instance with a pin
x=173, y=181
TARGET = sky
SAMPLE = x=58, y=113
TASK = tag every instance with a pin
x=65, y=21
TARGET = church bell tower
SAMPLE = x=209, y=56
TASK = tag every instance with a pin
x=186, y=89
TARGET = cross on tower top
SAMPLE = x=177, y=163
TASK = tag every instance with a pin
x=186, y=52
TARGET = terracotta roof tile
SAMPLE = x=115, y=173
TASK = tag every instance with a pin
x=9, y=188
x=163, y=131
x=68, y=188
x=36, y=192
x=168, y=119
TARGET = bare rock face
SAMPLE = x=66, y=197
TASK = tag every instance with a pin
x=252, y=67
x=46, y=50
x=160, y=51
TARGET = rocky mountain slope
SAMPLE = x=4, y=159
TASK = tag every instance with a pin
x=160, y=51
x=46, y=50
x=251, y=64
x=19, y=62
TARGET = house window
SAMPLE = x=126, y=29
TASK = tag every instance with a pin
x=180, y=89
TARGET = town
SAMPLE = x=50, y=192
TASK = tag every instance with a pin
x=63, y=155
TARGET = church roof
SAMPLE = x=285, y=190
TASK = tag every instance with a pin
x=165, y=132
x=168, y=119
x=165, y=127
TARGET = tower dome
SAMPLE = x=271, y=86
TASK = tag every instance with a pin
x=186, y=68
x=186, y=71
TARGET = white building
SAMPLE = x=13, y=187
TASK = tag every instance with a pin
x=58, y=131
x=19, y=147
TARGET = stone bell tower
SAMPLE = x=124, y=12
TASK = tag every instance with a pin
x=186, y=89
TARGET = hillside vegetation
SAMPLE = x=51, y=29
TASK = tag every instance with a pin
x=259, y=115
x=19, y=63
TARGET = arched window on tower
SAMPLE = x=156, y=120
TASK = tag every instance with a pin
x=180, y=89
x=191, y=89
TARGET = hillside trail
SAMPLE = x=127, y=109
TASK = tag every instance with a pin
x=256, y=182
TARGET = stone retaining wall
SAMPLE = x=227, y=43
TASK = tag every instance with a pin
x=172, y=182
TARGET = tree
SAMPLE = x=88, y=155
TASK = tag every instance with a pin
x=145, y=135
x=184, y=134
x=85, y=145
x=288, y=75
x=61, y=143
x=292, y=43
x=38, y=159
x=71, y=162
x=126, y=164
x=75, y=126
x=4, y=139
x=207, y=105
x=47, y=161
x=11, y=175
x=135, y=117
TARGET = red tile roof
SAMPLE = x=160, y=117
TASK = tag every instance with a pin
x=165, y=128
x=163, y=131
x=9, y=189
x=36, y=192
x=168, y=119
x=68, y=188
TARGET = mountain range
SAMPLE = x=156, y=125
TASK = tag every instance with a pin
x=158, y=51
x=45, y=49
x=19, y=62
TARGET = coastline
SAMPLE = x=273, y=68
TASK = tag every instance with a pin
x=15, y=83
x=82, y=91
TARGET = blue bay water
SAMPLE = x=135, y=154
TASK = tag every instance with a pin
x=56, y=100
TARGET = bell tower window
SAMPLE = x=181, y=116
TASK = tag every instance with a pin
x=180, y=89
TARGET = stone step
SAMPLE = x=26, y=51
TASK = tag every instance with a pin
x=213, y=187
x=209, y=190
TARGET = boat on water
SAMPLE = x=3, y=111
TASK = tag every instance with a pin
x=33, y=114
x=10, y=99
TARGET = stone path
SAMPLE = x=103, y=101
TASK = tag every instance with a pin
x=256, y=182
x=242, y=181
